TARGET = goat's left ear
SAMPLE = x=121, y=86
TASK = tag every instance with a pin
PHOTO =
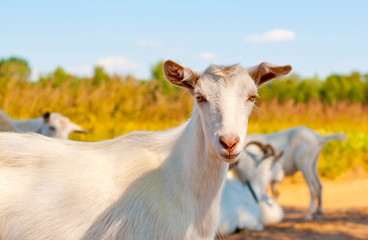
x=180, y=76
x=265, y=72
x=46, y=117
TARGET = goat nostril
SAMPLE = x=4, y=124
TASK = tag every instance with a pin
x=229, y=143
x=222, y=141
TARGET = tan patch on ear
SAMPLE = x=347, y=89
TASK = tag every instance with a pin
x=173, y=72
x=267, y=76
x=179, y=75
x=267, y=71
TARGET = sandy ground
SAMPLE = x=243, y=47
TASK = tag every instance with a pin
x=345, y=216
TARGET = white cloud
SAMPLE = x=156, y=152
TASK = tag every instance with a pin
x=119, y=65
x=207, y=55
x=275, y=35
x=145, y=43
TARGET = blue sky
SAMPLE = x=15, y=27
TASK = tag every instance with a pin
x=315, y=37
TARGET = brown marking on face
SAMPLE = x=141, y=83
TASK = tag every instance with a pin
x=223, y=71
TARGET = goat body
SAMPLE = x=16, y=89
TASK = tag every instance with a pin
x=302, y=147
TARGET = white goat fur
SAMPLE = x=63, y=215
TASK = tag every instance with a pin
x=51, y=125
x=302, y=147
x=143, y=185
x=271, y=211
x=239, y=209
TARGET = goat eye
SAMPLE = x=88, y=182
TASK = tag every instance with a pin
x=52, y=128
x=200, y=98
x=252, y=98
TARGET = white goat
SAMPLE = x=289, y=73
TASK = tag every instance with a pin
x=50, y=124
x=302, y=147
x=241, y=205
x=143, y=185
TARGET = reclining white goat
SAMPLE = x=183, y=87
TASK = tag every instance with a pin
x=242, y=203
x=302, y=147
x=50, y=124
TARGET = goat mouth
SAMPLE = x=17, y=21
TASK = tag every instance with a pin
x=230, y=156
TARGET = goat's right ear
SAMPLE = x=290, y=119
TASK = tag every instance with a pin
x=46, y=117
x=265, y=72
x=180, y=76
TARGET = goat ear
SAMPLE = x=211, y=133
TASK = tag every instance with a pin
x=265, y=72
x=180, y=76
x=46, y=117
x=78, y=129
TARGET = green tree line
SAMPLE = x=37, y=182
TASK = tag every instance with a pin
x=351, y=87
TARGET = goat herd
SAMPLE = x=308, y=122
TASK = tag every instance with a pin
x=173, y=184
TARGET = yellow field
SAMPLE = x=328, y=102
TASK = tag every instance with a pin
x=112, y=108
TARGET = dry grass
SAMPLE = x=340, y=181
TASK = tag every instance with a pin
x=113, y=108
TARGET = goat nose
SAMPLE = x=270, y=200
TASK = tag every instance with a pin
x=229, y=142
